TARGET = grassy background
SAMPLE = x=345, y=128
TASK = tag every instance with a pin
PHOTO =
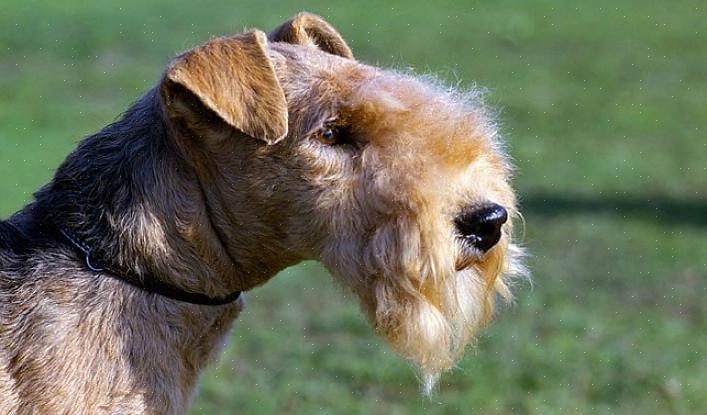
x=604, y=105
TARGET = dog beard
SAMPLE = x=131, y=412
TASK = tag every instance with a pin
x=422, y=304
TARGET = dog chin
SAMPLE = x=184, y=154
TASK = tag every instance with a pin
x=430, y=320
x=432, y=335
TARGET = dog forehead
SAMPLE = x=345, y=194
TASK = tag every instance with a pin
x=389, y=109
x=443, y=125
x=306, y=71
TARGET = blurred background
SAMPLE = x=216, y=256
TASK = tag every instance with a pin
x=604, y=108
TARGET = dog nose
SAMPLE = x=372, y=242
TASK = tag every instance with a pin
x=481, y=226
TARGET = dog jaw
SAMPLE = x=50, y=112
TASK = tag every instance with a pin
x=424, y=308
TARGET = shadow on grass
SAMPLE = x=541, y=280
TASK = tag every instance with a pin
x=659, y=209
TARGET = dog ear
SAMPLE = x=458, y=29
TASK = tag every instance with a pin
x=310, y=29
x=235, y=79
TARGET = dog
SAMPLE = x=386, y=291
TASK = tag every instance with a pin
x=120, y=281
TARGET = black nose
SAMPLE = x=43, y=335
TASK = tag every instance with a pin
x=481, y=225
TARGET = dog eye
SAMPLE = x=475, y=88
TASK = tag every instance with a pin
x=329, y=135
x=336, y=134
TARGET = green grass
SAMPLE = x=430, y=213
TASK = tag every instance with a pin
x=603, y=105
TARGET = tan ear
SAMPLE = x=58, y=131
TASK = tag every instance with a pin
x=310, y=29
x=234, y=78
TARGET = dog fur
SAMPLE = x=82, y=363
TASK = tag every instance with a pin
x=220, y=177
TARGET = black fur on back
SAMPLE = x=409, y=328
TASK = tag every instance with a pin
x=107, y=175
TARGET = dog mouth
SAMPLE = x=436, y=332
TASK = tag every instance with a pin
x=467, y=254
x=468, y=251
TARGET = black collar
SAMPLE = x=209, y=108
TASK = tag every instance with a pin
x=151, y=286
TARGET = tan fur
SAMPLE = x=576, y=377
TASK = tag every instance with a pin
x=233, y=77
x=250, y=189
x=307, y=29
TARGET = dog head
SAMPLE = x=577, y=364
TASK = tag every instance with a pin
x=398, y=185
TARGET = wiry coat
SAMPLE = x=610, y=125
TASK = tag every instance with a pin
x=77, y=342
x=220, y=177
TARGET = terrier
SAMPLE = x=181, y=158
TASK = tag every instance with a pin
x=119, y=283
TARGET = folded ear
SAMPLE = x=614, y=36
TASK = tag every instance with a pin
x=310, y=29
x=235, y=79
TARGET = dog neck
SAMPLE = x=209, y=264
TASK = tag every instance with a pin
x=130, y=194
x=148, y=285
